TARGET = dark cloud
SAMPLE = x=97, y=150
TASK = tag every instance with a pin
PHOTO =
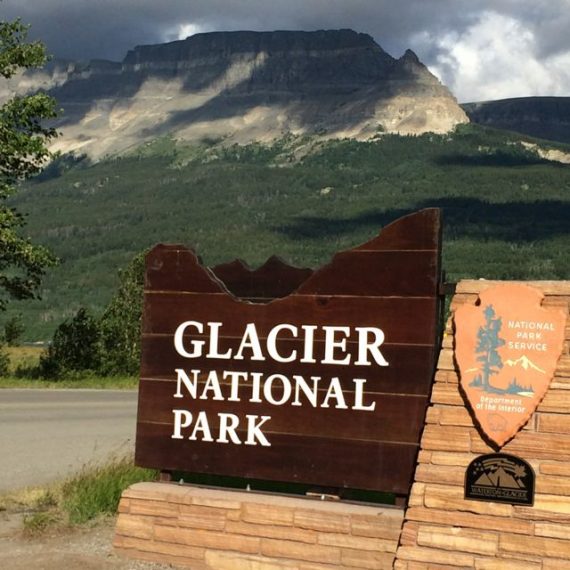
x=87, y=29
x=105, y=28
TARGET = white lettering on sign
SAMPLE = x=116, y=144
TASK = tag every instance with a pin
x=277, y=389
x=193, y=339
x=228, y=425
x=332, y=342
x=272, y=343
x=538, y=346
x=366, y=347
x=369, y=340
x=531, y=325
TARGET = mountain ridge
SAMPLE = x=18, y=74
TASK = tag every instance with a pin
x=244, y=87
x=544, y=117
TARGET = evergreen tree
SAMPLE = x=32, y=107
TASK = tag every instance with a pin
x=23, y=153
x=488, y=342
x=13, y=329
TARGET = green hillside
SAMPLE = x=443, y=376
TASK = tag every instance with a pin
x=506, y=210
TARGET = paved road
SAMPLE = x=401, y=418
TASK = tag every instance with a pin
x=49, y=434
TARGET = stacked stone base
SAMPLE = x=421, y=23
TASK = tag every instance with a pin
x=442, y=530
x=207, y=529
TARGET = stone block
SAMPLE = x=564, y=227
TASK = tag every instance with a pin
x=556, y=401
x=208, y=518
x=322, y=521
x=447, y=394
x=446, y=360
x=458, y=539
x=535, y=546
x=267, y=514
x=555, y=564
x=356, y=542
x=451, y=499
x=560, y=468
x=434, y=556
x=386, y=527
x=441, y=474
x=554, y=423
x=208, y=539
x=470, y=520
x=552, y=530
x=135, y=526
x=124, y=505
x=504, y=564
x=367, y=559
x=298, y=551
x=181, y=550
x=153, y=508
x=272, y=531
x=417, y=495
x=220, y=560
x=451, y=458
x=409, y=535
x=437, y=438
x=546, y=484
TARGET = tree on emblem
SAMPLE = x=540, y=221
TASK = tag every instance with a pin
x=488, y=342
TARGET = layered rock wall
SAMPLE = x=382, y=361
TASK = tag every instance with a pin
x=247, y=86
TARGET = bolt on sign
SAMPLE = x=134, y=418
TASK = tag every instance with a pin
x=507, y=348
x=292, y=375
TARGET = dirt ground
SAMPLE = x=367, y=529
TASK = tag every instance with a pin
x=81, y=549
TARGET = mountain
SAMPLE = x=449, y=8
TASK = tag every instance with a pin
x=543, y=117
x=525, y=363
x=245, y=86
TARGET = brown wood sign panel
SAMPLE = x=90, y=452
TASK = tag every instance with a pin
x=292, y=375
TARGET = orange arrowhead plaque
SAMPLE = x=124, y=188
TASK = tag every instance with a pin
x=507, y=347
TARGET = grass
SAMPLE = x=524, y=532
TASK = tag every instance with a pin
x=89, y=495
x=23, y=356
x=23, y=364
x=96, y=491
x=79, y=382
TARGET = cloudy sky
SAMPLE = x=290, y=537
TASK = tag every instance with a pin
x=481, y=49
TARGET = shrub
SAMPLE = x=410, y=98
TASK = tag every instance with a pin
x=75, y=347
x=120, y=324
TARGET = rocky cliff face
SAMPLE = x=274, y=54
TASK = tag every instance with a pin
x=247, y=86
x=543, y=117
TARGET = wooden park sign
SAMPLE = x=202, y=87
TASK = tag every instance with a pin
x=292, y=375
x=507, y=347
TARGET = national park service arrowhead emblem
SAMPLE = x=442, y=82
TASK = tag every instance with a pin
x=507, y=347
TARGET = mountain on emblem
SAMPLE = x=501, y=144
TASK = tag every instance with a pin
x=525, y=363
x=506, y=349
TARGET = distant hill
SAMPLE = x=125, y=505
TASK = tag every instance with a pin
x=542, y=117
x=244, y=87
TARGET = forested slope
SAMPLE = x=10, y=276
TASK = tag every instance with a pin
x=506, y=210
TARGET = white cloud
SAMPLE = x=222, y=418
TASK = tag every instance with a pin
x=495, y=58
x=181, y=32
x=187, y=30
